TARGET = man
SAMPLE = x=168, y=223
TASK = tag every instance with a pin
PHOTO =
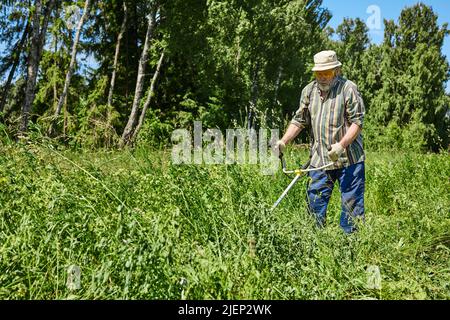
x=333, y=109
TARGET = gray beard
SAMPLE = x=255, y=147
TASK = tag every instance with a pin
x=324, y=87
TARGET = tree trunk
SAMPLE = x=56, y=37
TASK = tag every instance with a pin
x=149, y=97
x=55, y=88
x=32, y=68
x=132, y=121
x=277, y=85
x=37, y=43
x=116, y=56
x=116, y=59
x=43, y=32
x=130, y=49
x=72, y=59
x=238, y=54
x=254, y=96
x=16, y=54
x=65, y=119
x=277, y=90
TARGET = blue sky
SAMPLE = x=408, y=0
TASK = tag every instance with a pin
x=367, y=11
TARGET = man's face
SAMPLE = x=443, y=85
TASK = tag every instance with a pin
x=325, y=77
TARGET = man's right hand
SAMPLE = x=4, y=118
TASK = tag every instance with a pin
x=280, y=146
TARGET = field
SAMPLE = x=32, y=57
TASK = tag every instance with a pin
x=138, y=227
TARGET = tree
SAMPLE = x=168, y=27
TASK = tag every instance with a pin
x=262, y=51
x=414, y=73
x=150, y=95
x=38, y=35
x=116, y=61
x=360, y=60
x=15, y=56
x=15, y=23
x=354, y=41
x=132, y=120
x=72, y=63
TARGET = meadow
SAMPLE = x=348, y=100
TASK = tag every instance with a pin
x=138, y=227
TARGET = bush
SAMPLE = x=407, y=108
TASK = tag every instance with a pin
x=414, y=136
x=154, y=132
x=419, y=137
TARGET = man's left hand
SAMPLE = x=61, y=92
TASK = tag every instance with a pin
x=336, y=150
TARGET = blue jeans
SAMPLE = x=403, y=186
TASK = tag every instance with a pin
x=351, y=184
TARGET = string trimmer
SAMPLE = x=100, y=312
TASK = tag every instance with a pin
x=298, y=174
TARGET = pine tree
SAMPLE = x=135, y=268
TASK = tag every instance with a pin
x=414, y=72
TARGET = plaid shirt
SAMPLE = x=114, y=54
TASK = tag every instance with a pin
x=330, y=118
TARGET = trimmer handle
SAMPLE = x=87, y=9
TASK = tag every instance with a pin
x=283, y=164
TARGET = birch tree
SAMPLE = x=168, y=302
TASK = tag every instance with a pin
x=133, y=118
x=116, y=59
x=149, y=97
x=72, y=62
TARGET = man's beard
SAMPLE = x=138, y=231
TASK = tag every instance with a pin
x=325, y=87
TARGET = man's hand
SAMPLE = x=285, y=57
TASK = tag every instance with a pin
x=336, y=150
x=279, y=146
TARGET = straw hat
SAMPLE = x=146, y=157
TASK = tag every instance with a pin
x=326, y=60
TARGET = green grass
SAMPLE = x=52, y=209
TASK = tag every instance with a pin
x=139, y=228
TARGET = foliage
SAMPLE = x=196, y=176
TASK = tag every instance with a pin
x=403, y=80
x=414, y=73
x=227, y=63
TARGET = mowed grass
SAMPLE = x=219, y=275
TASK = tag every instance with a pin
x=141, y=228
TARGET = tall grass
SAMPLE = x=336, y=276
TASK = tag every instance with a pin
x=140, y=228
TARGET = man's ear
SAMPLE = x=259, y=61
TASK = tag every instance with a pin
x=337, y=71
